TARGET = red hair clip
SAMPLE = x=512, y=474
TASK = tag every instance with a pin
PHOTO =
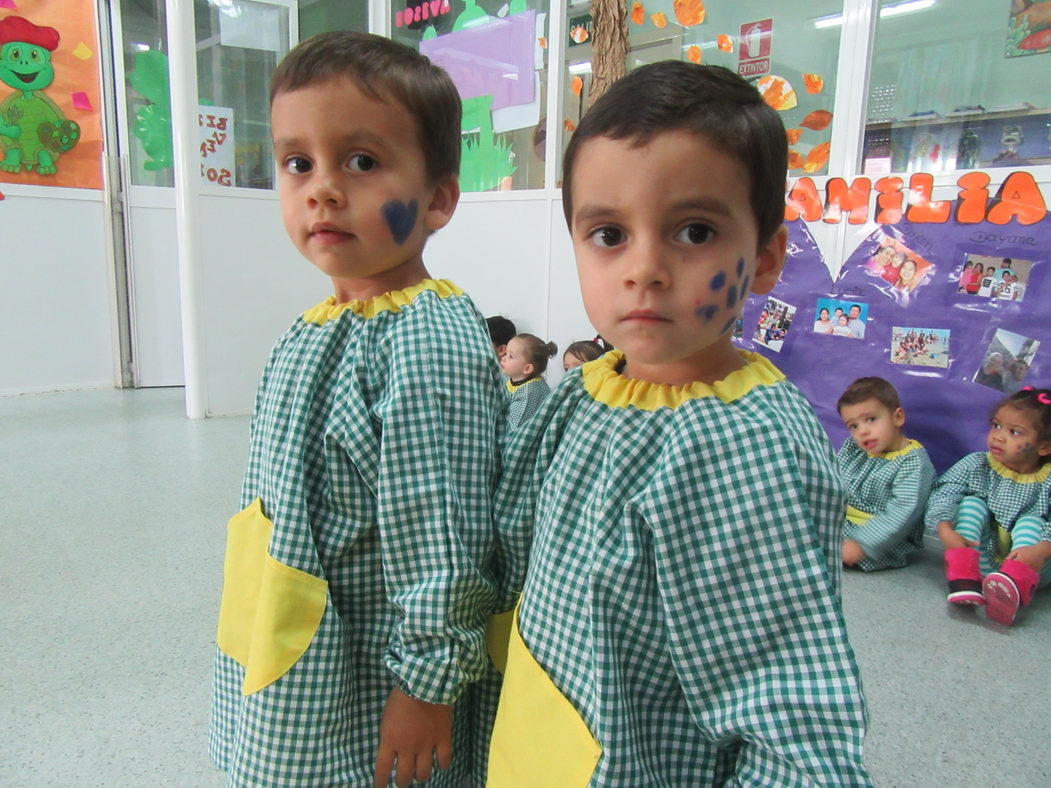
x=1042, y=397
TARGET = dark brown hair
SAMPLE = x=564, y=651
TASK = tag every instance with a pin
x=537, y=351
x=864, y=389
x=384, y=70
x=584, y=350
x=709, y=101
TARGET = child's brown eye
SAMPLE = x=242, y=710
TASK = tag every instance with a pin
x=297, y=165
x=694, y=233
x=361, y=162
x=608, y=236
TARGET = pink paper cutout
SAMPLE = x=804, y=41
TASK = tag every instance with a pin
x=494, y=59
x=80, y=99
x=7, y=4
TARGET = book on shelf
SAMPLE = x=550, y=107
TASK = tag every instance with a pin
x=1018, y=106
x=968, y=109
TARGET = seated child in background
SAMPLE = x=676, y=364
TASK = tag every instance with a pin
x=676, y=499
x=991, y=510
x=580, y=353
x=501, y=331
x=524, y=363
x=888, y=478
x=354, y=608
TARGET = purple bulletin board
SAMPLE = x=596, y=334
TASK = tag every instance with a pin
x=934, y=331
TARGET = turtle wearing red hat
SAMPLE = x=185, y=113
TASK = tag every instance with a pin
x=33, y=130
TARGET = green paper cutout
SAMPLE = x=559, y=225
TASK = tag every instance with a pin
x=486, y=163
x=153, y=123
x=471, y=16
x=34, y=132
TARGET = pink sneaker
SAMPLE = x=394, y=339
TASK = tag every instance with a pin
x=1002, y=599
x=961, y=570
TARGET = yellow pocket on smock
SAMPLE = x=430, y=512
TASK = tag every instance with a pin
x=539, y=740
x=857, y=516
x=270, y=612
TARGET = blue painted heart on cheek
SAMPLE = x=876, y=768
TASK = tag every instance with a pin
x=400, y=218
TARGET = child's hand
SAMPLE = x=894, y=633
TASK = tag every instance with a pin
x=950, y=538
x=412, y=733
x=1034, y=556
x=852, y=552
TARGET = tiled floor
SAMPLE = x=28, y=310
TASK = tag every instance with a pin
x=112, y=514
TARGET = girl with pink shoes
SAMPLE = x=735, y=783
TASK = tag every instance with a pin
x=991, y=510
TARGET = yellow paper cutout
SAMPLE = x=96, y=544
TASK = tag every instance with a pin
x=83, y=51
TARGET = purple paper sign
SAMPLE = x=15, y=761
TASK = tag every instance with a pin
x=493, y=59
x=919, y=310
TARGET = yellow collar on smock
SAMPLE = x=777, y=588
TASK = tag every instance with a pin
x=1021, y=478
x=912, y=445
x=386, y=302
x=606, y=385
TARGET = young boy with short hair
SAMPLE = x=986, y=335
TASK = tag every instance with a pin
x=888, y=478
x=353, y=608
x=676, y=499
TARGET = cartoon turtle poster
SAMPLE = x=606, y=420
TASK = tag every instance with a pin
x=34, y=132
x=50, y=95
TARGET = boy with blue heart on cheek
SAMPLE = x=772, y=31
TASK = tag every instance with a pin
x=353, y=609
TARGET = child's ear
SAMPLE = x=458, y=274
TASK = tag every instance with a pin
x=769, y=262
x=1043, y=449
x=528, y=370
x=443, y=203
x=899, y=417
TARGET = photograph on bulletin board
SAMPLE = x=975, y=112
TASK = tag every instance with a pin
x=50, y=129
x=1029, y=28
x=985, y=276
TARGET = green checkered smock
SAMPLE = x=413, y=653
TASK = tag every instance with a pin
x=374, y=452
x=893, y=488
x=683, y=577
x=525, y=399
x=1008, y=494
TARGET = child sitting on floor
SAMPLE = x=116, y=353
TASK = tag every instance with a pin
x=676, y=500
x=524, y=362
x=888, y=478
x=991, y=510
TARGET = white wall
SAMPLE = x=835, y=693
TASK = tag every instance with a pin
x=56, y=299
x=252, y=283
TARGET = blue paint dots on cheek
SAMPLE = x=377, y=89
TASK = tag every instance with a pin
x=706, y=313
x=718, y=281
x=731, y=297
x=729, y=323
x=740, y=266
x=744, y=286
x=400, y=218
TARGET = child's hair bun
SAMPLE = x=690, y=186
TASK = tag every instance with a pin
x=551, y=349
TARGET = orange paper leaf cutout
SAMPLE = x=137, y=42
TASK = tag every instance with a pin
x=693, y=54
x=577, y=85
x=543, y=42
x=817, y=158
x=814, y=83
x=638, y=13
x=569, y=125
x=795, y=161
x=726, y=44
x=659, y=19
x=689, y=12
x=793, y=135
x=777, y=92
x=817, y=120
